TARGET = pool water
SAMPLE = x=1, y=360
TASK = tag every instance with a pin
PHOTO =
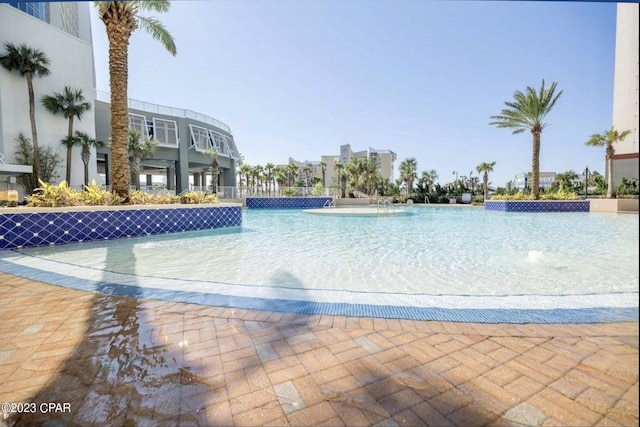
x=432, y=250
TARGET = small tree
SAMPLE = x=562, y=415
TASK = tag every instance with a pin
x=607, y=139
x=485, y=168
x=86, y=143
x=71, y=104
x=213, y=154
x=30, y=63
x=49, y=160
x=138, y=151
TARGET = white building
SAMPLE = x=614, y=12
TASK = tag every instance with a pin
x=62, y=31
x=625, y=91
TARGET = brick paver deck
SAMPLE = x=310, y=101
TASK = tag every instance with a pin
x=111, y=360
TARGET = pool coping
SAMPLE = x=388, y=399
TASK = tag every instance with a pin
x=438, y=311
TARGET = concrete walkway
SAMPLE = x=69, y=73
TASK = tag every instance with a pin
x=94, y=359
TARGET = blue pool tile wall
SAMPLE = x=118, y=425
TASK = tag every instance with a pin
x=54, y=228
x=537, y=205
x=287, y=202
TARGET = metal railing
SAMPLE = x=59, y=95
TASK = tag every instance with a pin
x=165, y=110
x=243, y=192
x=384, y=206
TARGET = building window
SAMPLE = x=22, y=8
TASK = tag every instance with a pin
x=165, y=132
x=139, y=123
x=218, y=142
x=199, y=138
x=39, y=10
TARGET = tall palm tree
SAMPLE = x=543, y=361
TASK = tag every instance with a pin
x=408, y=173
x=342, y=177
x=137, y=151
x=30, y=63
x=269, y=168
x=244, y=171
x=323, y=165
x=527, y=112
x=607, y=139
x=86, y=143
x=213, y=154
x=294, y=174
x=121, y=19
x=307, y=174
x=484, y=168
x=71, y=103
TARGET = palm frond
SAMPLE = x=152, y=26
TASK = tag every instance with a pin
x=158, y=32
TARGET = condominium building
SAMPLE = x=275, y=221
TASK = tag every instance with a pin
x=62, y=31
x=625, y=91
x=385, y=161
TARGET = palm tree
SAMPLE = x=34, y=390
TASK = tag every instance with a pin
x=137, y=151
x=307, y=173
x=323, y=165
x=121, y=19
x=30, y=63
x=342, y=177
x=527, y=112
x=213, y=154
x=292, y=168
x=71, y=103
x=269, y=168
x=408, y=173
x=485, y=168
x=607, y=139
x=86, y=143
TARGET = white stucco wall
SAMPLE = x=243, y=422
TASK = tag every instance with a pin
x=71, y=63
x=625, y=87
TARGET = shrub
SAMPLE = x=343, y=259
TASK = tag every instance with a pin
x=50, y=195
x=317, y=190
x=289, y=192
x=558, y=195
x=49, y=161
x=195, y=197
x=628, y=187
x=94, y=195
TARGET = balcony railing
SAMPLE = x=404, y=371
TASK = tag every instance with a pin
x=165, y=110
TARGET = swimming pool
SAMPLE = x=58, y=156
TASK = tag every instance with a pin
x=434, y=257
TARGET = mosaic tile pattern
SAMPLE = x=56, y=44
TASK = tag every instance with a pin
x=54, y=228
x=542, y=310
x=537, y=205
x=286, y=202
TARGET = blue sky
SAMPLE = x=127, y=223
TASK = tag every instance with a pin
x=422, y=78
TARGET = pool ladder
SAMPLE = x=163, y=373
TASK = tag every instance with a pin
x=330, y=204
x=384, y=205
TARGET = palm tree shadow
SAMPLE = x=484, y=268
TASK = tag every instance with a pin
x=128, y=368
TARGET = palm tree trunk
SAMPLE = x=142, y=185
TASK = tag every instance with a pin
x=34, y=132
x=118, y=73
x=611, y=189
x=69, y=148
x=485, y=180
x=535, y=166
x=86, y=155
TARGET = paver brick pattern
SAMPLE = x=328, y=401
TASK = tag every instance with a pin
x=128, y=361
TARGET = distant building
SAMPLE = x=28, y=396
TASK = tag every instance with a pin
x=183, y=138
x=545, y=180
x=385, y=160
x=625, y=92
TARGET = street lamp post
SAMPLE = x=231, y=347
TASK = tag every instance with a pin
x=586, y=183
x=456, y=174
